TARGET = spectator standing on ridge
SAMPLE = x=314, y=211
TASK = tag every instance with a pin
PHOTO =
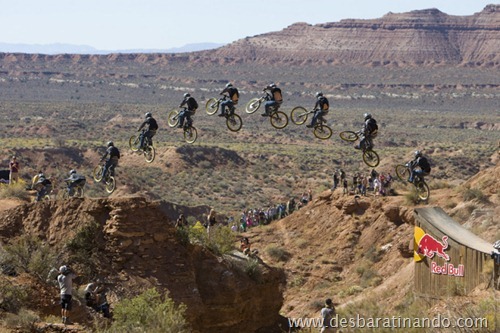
x=65, y=281
x=335, y=180
x=346, y=189
x=320, y=108
x=233, y=95
x=276, y=98
x=327, y=313
x=188, y=111
x=150, y=130
x=13, y=171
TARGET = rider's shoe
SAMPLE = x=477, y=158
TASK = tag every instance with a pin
x=309, y=126
x=264, y=114
x=180, y=126
x=410, y=180
x=357, y=147
x=221, y=115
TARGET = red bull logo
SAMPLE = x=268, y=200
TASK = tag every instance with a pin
x=427, y=246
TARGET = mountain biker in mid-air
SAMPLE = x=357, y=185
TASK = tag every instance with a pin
x=152, y=127
x=320, y=108
x=191, y=106
x=114, y=156
x=43, y=186
x=233, y=95
x=368, y=132
x=74, y=180
x=276, y=99
x=420, y=161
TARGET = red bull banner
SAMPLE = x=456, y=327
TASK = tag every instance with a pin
x=425, y=245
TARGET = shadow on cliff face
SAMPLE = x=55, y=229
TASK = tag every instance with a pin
x=138, y=248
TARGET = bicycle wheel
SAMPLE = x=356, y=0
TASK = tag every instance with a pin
x=371, y=158
x=173, y=118
x=349, y=136
x=98, y=173
x=278, y=119
x=422, y=190
x=322, y=132
x=253, y=105
x=234, y=122
x=134, y=142
x=212, y=106
x=190, y=134
x=149, y=153
x=402, y=172
x=78, y=192
x=110, y=184
x=299, y=115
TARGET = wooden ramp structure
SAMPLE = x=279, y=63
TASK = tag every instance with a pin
x=449, y=259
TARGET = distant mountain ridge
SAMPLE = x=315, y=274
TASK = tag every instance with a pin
x=61, y=48
x=420, y=37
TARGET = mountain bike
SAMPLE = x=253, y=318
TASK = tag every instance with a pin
x=190, y=132
x=277, y=118
x=108, y=178
x=370, y=157
x=320, y=130
x=76, y=193
x=403, y=172
x=148, y=148
x=233, y=121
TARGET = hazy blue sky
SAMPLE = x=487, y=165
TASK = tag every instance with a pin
x=161, y=24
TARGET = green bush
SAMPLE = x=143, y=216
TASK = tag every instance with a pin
x=12, y=296
x=17, y=190
x=221, y=240
x=148, y=312
x=28, y=254
x=23, y=321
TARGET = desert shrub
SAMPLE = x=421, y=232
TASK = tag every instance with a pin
x=148, y=312
x=474, y=194
x=411, y=198
x=253, y=269
x=221, y=240
x=28, y=254
x=13, y=297
x=277, y=253
x=16, y=190
x=23, y=321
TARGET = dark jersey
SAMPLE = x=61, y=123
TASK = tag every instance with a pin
x=152, y=124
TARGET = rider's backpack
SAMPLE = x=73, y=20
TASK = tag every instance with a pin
x=424, y=164
x=192, y=103
x=234, y=95
x=277, y=96
x=372, y=126
x=153, y=125
x=114, y=152
x=324, y=104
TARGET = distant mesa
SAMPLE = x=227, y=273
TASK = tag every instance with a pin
x=426, y=37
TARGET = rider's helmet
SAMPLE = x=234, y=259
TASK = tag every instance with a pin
x=367, y=116
x=63, y=269
x=319, y=94
x=272, y=85
x=148, y=115
x=418, y=153
x=229, y=85
x=186, y=95
x=110, y=143
x=73, y=171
